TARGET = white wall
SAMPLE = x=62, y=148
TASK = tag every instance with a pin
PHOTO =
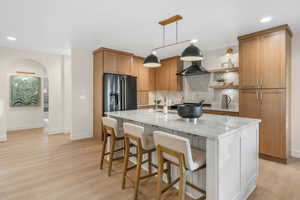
x=81, y=94
x=67, y=91
x=295, y=149
x=2, y=110
x=9, y=59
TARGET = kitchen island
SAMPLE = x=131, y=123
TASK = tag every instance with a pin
x=231, y=145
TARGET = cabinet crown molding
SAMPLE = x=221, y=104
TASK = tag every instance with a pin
x=273, y=29
x=102, y=49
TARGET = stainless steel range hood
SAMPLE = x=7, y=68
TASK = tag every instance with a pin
x=195, y=69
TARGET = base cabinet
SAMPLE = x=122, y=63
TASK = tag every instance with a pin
x=272, y=113
x=269, y=106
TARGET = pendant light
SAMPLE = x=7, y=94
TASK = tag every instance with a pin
x=151, y=61
x=192, y=53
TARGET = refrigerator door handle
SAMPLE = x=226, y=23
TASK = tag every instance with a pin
x=121, y=92
x=125, y=94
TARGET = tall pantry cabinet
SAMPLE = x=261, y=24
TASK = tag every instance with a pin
x=265, y=62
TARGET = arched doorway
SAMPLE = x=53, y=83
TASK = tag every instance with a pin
x=26, y=95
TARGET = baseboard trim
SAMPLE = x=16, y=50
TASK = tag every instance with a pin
x=67, y=130
x=54, y=132
x=274, y=159
x=24, y=128
x=295, y=153
x=80, y=137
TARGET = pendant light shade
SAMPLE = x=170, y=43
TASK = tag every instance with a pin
x=191, y=53
x=151, y=61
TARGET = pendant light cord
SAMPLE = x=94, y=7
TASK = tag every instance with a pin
x=176, y=31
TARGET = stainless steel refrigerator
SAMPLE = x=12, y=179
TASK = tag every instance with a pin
x=120, y=92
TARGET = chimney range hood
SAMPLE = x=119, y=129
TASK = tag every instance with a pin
x=195, y=69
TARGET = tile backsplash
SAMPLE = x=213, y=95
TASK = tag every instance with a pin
x=196, y=88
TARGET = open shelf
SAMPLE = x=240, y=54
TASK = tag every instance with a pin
x=224, y=86
x=232, y=69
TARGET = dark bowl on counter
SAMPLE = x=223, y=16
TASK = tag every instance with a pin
x=189, y=110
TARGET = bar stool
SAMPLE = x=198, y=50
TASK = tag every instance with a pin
x=111, y=130
x=144, y=144
x=177, y=151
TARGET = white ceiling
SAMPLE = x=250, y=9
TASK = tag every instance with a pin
x=58, y=25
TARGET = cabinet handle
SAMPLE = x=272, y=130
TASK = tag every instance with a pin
x=257, y=98
x=261, y=84
x=257, y=83
x=261, y=97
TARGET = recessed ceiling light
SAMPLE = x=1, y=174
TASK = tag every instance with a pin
x=266, y=19
x=11, y=38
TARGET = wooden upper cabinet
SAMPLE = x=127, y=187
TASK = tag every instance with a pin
x=249, y=63
x=272, y=114
x=117, y=62
x=124, y=63
x=110, y=62
x=162, y=77
x=264, y=58
x=152, y=79
x=272, y=64
x=175, y=66
x=145, y=76
x=165, y=75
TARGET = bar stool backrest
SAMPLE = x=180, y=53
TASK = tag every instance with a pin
x=177, y=144
x=136, y=131
x=113, y=124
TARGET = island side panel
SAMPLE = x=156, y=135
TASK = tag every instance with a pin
x=232, y=165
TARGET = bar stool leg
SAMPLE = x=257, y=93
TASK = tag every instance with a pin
x=138, y=173
x=160, y=165
x=182, y=180
x=111, y=155
x=150, y=162
x=126, y=157
x=103, y=151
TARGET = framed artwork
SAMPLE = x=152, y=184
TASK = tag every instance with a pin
x=25, y=91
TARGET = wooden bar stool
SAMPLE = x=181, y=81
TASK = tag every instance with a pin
x=111, y=130
x=177, y=151
x=144, y=144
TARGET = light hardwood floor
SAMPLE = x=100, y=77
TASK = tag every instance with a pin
x=34, y=166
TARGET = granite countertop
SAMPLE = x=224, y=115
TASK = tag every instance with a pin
x=208, y=125
x=214, y=108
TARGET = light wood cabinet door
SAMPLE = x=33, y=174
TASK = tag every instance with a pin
x=249, y=103
x=152, y=79
x=136, y=63
x=162, y=77
x=144, y=78
x=272, y=132
x=174, y=66
x=110, y=62
x=272, y=56
x=124, y=63
x=249, y=63
x=165, y=76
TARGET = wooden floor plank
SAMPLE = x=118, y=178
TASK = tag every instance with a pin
x=34, y=166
